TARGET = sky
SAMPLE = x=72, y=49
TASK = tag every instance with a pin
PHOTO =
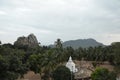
x=64, y=19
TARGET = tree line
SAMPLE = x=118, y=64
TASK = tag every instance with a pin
x=15, y=61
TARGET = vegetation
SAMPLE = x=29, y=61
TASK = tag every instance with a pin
x=11, y=63
x=15, y=61
x=103, y=74
x=62, y=73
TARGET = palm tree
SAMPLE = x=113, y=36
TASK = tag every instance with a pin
x=58, y=43
x=69, y=51
x=59, y=51
x=48, y=64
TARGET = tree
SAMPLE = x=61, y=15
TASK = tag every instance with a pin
x=103, y=74
x=48, y=63
x=0, y=42
x=34, y=63
x=11, y=64
x=11, y=68
x=62, y=73
x=70, y=52
x=59, y=51
x=116, y=51
x=79, y=53
x=58, y=43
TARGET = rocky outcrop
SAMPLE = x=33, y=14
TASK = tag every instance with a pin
x=30, y=41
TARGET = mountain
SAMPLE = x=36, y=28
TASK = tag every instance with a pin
x=30, y=41
x=84, y=43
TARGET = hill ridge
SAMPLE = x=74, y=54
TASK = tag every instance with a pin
x=84, y=43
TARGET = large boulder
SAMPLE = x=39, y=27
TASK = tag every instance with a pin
x=30, y=41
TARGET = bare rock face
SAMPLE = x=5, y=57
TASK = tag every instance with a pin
x=30, y=41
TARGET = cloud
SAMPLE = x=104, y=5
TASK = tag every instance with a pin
x=2, y=12
x=66, y=19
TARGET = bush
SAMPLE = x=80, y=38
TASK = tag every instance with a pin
x=103, y=74
x=62, y=73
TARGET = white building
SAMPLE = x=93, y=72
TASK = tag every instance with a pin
x=71, y=65
x=118, y=78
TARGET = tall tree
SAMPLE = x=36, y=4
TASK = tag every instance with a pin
x=34, y=63
x=59, y=51
x=58, y=43
x=49, y=64
x=116, y=51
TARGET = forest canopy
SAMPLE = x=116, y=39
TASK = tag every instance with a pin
x=15, y=61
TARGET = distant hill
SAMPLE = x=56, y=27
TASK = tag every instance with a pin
x=84, y=43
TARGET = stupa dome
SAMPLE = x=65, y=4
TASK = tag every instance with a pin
x=71, y=65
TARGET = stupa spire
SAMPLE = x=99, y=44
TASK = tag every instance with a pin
x=71, y=65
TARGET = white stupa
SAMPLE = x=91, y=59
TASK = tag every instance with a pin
x=71, y=65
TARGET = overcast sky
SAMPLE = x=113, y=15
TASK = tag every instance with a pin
x=64, y=19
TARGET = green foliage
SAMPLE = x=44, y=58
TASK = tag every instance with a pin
x=103, y=74
x=11, y=65
x=62, y=73
x=17, y=60
x=58, y=44
x=116, y=51
x=49, y=63
x=34, y=63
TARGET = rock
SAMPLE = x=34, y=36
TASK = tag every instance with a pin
x=30, y=41
x=0, y=42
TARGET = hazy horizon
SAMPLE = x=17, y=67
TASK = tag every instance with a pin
x=53, y=40
x=64, y=19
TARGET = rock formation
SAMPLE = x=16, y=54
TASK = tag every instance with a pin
x=30, y=41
